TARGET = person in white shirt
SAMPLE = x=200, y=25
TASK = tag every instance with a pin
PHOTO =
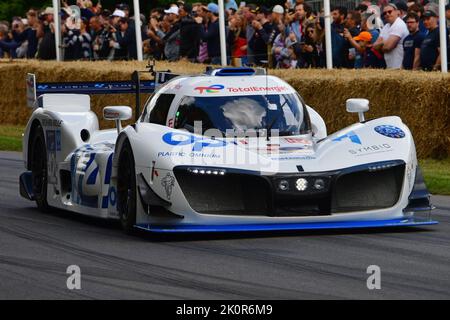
x=390, y=41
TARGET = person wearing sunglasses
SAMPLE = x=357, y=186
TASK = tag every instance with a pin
x=390, y=41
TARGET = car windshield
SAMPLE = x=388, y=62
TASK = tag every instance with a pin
x=240, y=114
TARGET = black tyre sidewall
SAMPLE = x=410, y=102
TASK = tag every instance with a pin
x=38, y=147
x=126, y=188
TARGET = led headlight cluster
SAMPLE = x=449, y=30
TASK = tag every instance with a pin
x=207, y=171
x=381, y=166
x=301, y=184
x=308, y=184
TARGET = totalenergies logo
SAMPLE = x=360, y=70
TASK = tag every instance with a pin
x=211, y=89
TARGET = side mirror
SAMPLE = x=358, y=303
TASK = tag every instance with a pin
x=357, y=106
x=117, y=113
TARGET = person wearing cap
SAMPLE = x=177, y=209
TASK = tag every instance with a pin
x=211, y=34
x=261, y=41
x=370, y=58
x=390, y=41
x=171, y=39
x=122, y=43
x=125, y=8
x=412, y=43
x=116, y=16
x=430, y=51
x=277, y=14
x=231, y=4
x=189, y=34
x=402, y=9
x=46, y=49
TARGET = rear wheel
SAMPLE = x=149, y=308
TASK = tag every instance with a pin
x=39, y=168
x=126, y=188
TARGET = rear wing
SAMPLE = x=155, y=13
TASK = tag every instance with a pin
x=134, y=86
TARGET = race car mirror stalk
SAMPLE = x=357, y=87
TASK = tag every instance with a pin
x=117, y=113
x=358, y=106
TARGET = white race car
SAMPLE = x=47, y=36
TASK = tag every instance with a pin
x=233, y=149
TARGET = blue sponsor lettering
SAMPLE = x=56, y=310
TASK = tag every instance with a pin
x=182, y=139
x=351, y=135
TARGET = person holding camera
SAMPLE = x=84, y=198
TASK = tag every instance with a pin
x=261, y=39
x=28, y=34
x=46, y=49
x=100, y=38
x=189, y=34
x=209, y=33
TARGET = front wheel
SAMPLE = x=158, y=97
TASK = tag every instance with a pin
x=39, y=169
x=126, y=188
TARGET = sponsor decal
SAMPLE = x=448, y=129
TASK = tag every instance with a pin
x=171, y=86
x=390, y=131
x=173, y=154
x=258, y=89
x=198, y=143
x=58, y=140
x=111, y=114
x=51, y=144
x=215, y=88
x=353, y=137
x=294, y=158
x=51, y=156
x=168, y=182
x=51, y=123
x=298, y=140
x=293, y=149
x=366, y=150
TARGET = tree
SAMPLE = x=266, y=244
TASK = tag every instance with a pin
x=9, y=9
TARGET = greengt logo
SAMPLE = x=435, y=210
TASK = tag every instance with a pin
x=351, y=135
x=211, y=89
x=182, y=139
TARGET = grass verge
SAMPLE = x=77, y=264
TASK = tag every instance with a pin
x=11, y=137
x=437, y=175
x=436, y=172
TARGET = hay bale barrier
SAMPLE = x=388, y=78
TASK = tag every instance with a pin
x=421, y=99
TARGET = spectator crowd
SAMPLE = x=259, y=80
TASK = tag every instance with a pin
x=288, y=35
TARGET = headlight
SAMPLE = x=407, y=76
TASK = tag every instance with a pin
x=319, y=184
x=301, y=184
x=283, y=185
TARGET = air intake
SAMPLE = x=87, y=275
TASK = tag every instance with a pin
x=231, y=72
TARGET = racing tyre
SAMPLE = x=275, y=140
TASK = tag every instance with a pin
x=126, y=188
x=39, y=169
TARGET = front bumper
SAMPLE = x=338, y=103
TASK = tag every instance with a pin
x=182, y=228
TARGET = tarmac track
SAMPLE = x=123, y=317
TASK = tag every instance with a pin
x=37, y=248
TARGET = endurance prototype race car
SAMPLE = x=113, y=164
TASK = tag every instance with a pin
x=233, y=149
